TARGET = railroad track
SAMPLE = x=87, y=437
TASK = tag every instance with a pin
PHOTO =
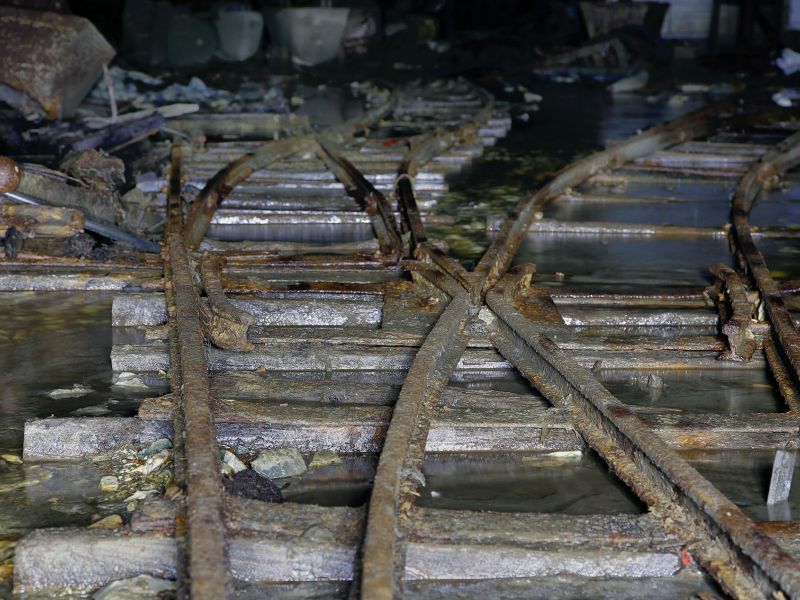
x=366, y=339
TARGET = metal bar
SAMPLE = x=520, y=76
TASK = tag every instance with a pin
x=221, y=184
x=373, y=202
x=207, y=567
x=399, y=468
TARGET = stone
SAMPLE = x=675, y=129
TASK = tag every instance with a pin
x=11, y=459
x=154, y=463
x=159, y=445
x=323, y=458
x=76, y=391
x=281, y=462
x=230, y=459
x=109, y=522
x=49, y=61
x=109, y=483
x=143, y=587
x=249, y=484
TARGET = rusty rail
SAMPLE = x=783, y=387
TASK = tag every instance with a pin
x=720, y=533
x=223, y=183
x=207, y=570
x=745, y=561
x=496, y=260
x=758, y=178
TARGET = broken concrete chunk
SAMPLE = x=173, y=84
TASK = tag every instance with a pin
x=49, y=61
x=143, y=587
x=282, y=462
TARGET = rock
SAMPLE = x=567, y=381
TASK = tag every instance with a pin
x=323, y=458
x=249, y=484
x=232, y=461
x=143, y=587
x=11, y=458
x=49, y=60
x=13, y=242
x=96, y=168
x=109, y=483
x=76, y=391
x=79, y=245
x=630, y=84
x=154, y=463
x=282, y=462
x=530, y=97
x=109, y=522
x=154, y=448
x=130, y=381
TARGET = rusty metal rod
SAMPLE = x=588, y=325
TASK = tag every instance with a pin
x=207, y=569
x=498, y=257
x=746, y=562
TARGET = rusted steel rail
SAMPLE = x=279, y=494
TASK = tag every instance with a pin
x=327, y=345
x=741, y=558
x=503, y=249
x=219, y=186
x=207, y=569
x=766, y=172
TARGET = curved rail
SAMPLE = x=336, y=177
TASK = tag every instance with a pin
x=745, y=561
x=771, y=166
x=223, y=183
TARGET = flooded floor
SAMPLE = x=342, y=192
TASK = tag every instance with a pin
x=55, y=347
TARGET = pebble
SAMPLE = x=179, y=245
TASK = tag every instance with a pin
x=530, y=97
x=323, y=458
x=155, y=448
x=143, y=587
x=282, y=462
x=232, y=461
x=109, y=522
x=11, y=459
x=154, y=463
x=109, y=483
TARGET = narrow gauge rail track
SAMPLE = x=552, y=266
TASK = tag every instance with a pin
x=312, y=344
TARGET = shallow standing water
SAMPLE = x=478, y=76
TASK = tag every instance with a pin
x=58, y=340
